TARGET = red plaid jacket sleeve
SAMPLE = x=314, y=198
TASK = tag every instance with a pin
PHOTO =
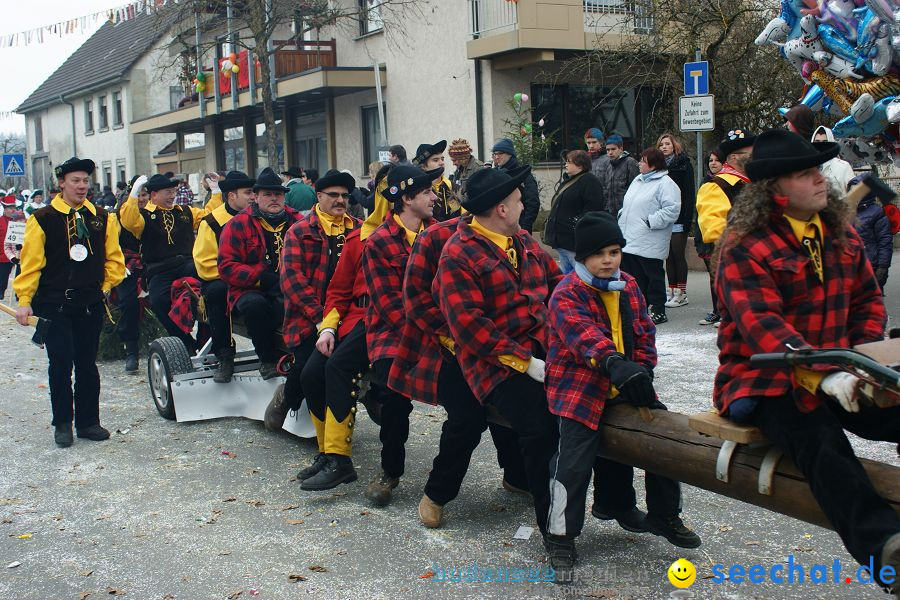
x=419, y=303
x=239, y=244
x=384, y=262
x=304, y=261
x=183, y=293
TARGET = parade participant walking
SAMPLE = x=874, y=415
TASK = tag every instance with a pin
x=312, y=248
x=874, y=230
x=70, y=259
x=714, y=199
x=793, y=274
x=465, y=163
x=430, y=158
x=596, y=149
x=250, y=249
x=650, y=208
x=301, y=197
x=384, y=263
x=237, y=191
x=680, y=170
x=493, y=282
x=602, y=351
x=333, y=374
x=128, y=327
x=6, y=265
x=426, y=369
x=504, y=156
x=166, y=232
x=580, y=193
x=621, y=172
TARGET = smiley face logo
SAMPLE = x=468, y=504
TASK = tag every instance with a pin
x=682, y=573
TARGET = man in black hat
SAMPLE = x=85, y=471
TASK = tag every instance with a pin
x=384, y=264
x=70, y=259
x=503, y=154
x=166, y=231
x=430, y=157
x=312, y=248
x=493, y=282
x=250, y=250
x=301, y=197
x=237, y=190
x=793, y=274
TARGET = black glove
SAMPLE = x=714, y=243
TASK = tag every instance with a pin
x=881, y=274
x=634, y=382
x=268, y=280
x=14, y=261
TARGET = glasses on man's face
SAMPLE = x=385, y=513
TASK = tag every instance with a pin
x=336, y=195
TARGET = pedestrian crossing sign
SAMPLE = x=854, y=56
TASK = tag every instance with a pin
x=14, y=165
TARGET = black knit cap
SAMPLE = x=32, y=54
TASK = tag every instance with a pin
x=595, y=231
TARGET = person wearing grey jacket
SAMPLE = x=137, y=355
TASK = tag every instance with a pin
x=620, y=172
x=650, y=208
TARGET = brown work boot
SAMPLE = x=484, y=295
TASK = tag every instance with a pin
x=276, y=411
x=430, y=513
x=379, y=491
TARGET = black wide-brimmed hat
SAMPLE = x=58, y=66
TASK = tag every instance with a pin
x=735, y=140
x=293, y=172
x=408, y=180
x=235, y=180
x=269, y=180
x=74, y=164
x=333, y=178
x=779, y=152
x=487, y=188
x=426, y=151
x=160, y=182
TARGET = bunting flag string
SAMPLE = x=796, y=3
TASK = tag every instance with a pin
x=84, y=24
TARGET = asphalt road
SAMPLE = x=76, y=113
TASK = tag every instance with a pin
x=211, y=510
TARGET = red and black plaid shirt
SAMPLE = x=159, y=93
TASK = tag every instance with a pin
x=242, y=251
x=772, y=298
x=493, y=309
x=183, y=312
x=414, y=372
x=304, y=277
x=384, y=264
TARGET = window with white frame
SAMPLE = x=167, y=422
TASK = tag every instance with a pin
x=89, y=116
x=370, y=16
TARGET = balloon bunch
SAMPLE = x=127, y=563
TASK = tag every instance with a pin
x=848, y=54
x=229, y=65
x=200, y=82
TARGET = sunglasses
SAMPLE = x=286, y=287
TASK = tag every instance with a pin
x=336, y=195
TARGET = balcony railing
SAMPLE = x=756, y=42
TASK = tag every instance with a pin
x=601, y=15
x=491, y=16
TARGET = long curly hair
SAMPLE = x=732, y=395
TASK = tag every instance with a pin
x=754, y=208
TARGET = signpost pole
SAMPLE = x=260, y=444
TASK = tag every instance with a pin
x=698, y=172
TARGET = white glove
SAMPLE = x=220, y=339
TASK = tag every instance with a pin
x=136, y=187
x=213, y=185
x=842, y=386
x=536, y=369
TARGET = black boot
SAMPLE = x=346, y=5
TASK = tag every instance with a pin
x=131, y=357
x=62, y=435
x=339, y=469
x=562, y=558
x=94, y=432
x=673, y=529
x=630, y=520
x=225, y=370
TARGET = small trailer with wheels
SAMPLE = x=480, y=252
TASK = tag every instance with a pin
x=183, y=389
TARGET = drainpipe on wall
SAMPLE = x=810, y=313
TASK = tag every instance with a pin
x=479, y=111
x=72, y=108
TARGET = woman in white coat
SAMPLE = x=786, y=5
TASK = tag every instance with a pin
x=650, y=208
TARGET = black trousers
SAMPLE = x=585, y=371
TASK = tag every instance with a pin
x=395, y=409
x=293, y=387
x=160, y=290
x=128, y=328
x=651, y=278
x=461, y=434
x=570, y=473
x=817, y=444
x=523, y=402
x=263, y=315
x=328, y=381
x=5, y=269
x=71, y=341
x=215, y=297
x=712, y=285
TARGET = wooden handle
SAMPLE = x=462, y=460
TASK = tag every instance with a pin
x=32, y=320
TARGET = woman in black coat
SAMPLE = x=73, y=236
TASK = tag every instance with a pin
x=682, y=173
x=579, y=193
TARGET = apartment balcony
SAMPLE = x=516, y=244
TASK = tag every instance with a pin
x=516, y=33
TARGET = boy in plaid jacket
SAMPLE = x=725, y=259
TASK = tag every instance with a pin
x=602, y=349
